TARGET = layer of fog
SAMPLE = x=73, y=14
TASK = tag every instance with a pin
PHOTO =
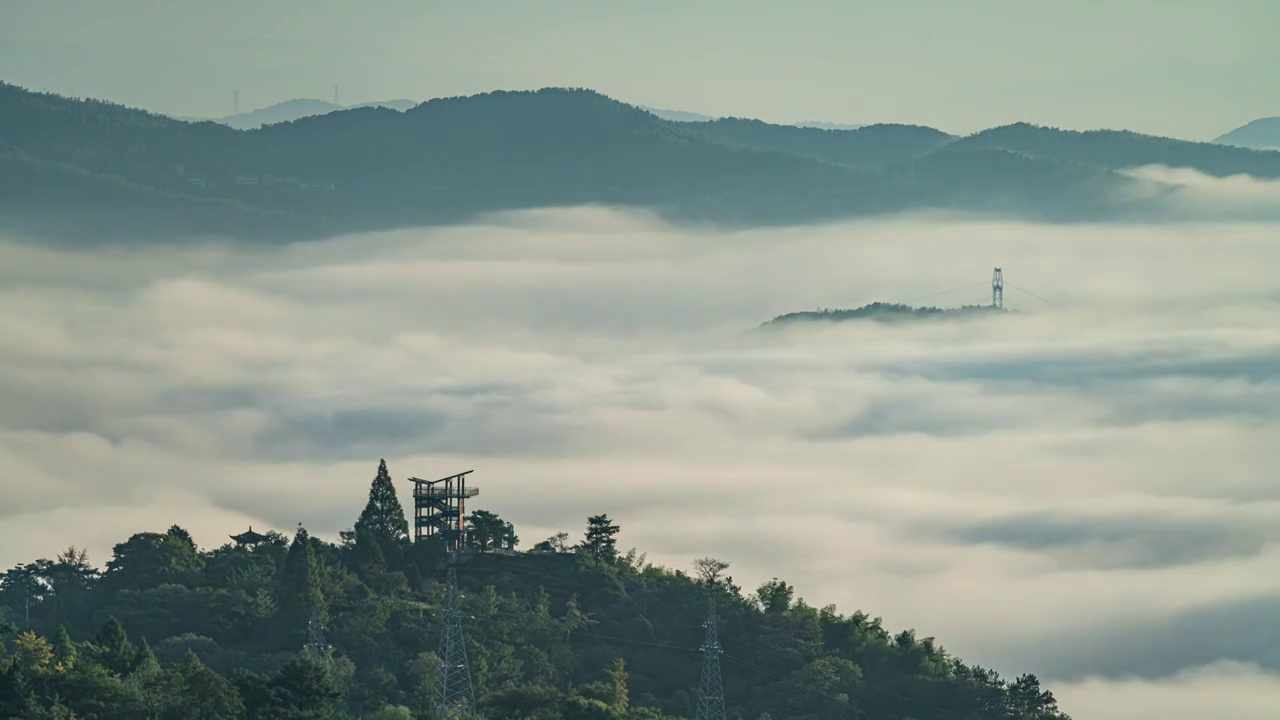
x=1084, y=489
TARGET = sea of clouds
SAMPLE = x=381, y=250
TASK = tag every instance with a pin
x=1086, y=489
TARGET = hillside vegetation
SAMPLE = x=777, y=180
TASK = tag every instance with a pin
x=170, y=630
x=93, y=170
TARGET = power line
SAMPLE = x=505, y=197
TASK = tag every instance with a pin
x=945, y=292
x=1038, y=297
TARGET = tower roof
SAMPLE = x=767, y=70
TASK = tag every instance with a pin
x=249, y=537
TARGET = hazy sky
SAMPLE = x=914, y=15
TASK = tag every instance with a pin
x=1186, y=68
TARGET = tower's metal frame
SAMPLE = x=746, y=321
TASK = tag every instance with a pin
x=997, y=289
x=440, y=509
x=711, y=693
x=317, y=648
x=454, y=691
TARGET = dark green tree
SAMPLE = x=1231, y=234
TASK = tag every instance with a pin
x=775, y=596
x=17, y=698
x=206, y=695
x=114, y=651
x=383, y=516
x=146, y=560
x=145, y=657
x=298, y=592
x=64, y=649
x=304, y=690
x=618, y=685
x=600, y=542
x=485, y=530
x=180, y=534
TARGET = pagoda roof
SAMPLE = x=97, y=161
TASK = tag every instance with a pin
x=249, y=537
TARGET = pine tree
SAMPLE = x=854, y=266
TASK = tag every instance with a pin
x=115, y=652
x=618, y=683
x=600, y=543
x=145, y=659
x=299, y=590
x=64, y=650
x=205, y=689
x=383, y=521
x=383, y=516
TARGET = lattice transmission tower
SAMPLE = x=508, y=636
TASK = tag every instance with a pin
x=997, y=289
x=317, y=647
x=453, y=678
x=711, y=695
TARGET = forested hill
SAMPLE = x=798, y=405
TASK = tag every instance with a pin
x=881, y=312
x=170, y=630
x=93, y=170
x=870, y=145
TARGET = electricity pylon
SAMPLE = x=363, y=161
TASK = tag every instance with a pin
x=711, y=695
x=317, y=647
x=453, y=678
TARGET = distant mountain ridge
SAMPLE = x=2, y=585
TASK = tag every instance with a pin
x=677, y=115
x=99, y=171
x=295, y=109
x=1260, y=134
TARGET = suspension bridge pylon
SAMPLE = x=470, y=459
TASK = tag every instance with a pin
x=997, y=289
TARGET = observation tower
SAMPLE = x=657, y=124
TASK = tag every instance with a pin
x=439, y=509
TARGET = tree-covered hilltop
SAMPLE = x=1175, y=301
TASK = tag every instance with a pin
x=1117, y=149
x=1260, y=134
x=881, y=312
x=304, y=628
x=869, y=145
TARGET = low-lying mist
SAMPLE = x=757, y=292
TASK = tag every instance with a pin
x=1085, y=489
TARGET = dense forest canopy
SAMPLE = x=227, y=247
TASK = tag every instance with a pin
x=306, y=628
x=97, y=170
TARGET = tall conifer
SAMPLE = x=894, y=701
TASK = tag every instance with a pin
x=383, y=517
x=299, y=590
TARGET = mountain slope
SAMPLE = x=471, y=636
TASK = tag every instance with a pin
x=450, y=159
x=297, y=109
x=1115, y=150
x=35, y=197
x=441, y=161
x=1260, y=134
x=871, y=145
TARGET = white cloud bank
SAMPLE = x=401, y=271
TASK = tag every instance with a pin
x=1222, y=690
x=1084, y=490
